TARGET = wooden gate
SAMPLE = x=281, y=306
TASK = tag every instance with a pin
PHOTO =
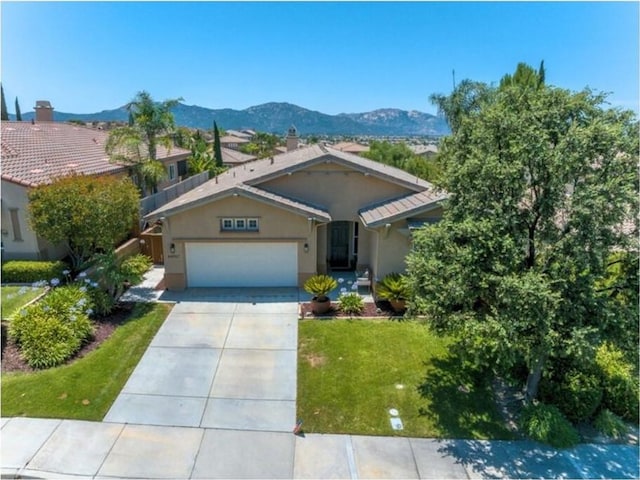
x=151, y=244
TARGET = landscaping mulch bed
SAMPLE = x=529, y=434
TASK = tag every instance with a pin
x=12, y=360
x=379, y=309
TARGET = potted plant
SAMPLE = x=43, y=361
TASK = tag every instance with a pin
x=319, y=286
x=395, y=289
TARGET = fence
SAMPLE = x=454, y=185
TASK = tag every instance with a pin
x=152, y=202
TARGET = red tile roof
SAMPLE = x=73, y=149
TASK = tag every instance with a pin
x=35, y=154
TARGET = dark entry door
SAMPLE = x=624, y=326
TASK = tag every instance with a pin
x=339, y=244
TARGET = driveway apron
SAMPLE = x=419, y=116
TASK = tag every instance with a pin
x=223, y=359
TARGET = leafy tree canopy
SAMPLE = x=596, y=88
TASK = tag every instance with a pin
x=540, y=181
x=399, y=155
x=262, y=145
x=86, y=214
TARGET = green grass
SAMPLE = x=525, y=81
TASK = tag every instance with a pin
x=86, y=388
x=14, y=298
x=348, y=372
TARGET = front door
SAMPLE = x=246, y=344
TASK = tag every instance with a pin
x=339, y=236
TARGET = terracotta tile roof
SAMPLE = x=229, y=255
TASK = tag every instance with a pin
x=259, y=171
x=34, y=154
x=390, y=211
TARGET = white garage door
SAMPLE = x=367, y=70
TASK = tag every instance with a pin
x=242, y=264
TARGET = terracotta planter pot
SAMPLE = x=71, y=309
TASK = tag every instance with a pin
x=320, y=307
x=398, y=305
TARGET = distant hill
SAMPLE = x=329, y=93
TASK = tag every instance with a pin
x=278, y=117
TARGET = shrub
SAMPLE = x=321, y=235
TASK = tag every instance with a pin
x=393, y=286
x=545, y=423
x=53, y=330
x=577, y=394
x=102, y=302
x=27, y=271
x=620, y=382
x=351, y=303
x=133, y=268
x=609, y=424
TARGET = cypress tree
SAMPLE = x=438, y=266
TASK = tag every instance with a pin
x=4, y=115
x=216, y=145
x=18, y=112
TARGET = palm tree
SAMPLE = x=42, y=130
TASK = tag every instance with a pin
x=154, y=119
x=467, y=97
x=150, y=123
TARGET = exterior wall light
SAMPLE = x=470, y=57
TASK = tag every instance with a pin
x=306, y=248
x=172, y=248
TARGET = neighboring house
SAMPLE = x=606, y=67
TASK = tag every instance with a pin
x=278, y=221
x=238, y=134
x=232, y=142
x=424, y=150
x=231, y=158
x=350, y=147
x=36, y=153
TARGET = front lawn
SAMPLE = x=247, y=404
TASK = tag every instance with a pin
x=86, y=388
x=352, y=372
x=14, y=297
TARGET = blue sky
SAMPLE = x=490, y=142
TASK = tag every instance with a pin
x=331, y=57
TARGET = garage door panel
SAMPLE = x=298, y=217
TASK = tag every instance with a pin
x=257, y=264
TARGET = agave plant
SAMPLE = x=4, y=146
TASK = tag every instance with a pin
x=319, y=286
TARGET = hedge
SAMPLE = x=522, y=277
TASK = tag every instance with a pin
x=30, y=271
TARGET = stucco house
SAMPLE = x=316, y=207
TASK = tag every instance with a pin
x=34, y=154
x=277, y=221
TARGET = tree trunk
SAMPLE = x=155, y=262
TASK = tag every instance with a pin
x=534, y=377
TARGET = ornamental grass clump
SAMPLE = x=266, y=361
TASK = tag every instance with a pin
x=351, y=303
x=545, y=423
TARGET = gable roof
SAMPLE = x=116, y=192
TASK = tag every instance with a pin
x=250, y=175
x=35, y=154
x=350, y=147
x=234, y=157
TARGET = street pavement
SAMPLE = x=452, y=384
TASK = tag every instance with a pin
x=214, y=397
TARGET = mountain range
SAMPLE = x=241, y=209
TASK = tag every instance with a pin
x=277, y=117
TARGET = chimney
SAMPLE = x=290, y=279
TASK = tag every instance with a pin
x=44, y=111
x=292, y=139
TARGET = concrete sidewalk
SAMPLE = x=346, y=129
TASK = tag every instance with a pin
x=45, y=448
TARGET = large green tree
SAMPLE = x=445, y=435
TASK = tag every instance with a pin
x=136, y=144
x=85, y=214
x=540, y=181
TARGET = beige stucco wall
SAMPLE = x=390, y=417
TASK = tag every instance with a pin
x=202, y=224
x=30, y=247
x=339, y=190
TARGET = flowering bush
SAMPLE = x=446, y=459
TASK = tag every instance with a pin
x=53, y=330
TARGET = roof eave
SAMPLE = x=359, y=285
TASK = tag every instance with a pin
x=399, y=216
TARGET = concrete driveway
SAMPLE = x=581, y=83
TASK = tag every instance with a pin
x=223, y=359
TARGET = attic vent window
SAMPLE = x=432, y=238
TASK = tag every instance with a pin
x=239, y=224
